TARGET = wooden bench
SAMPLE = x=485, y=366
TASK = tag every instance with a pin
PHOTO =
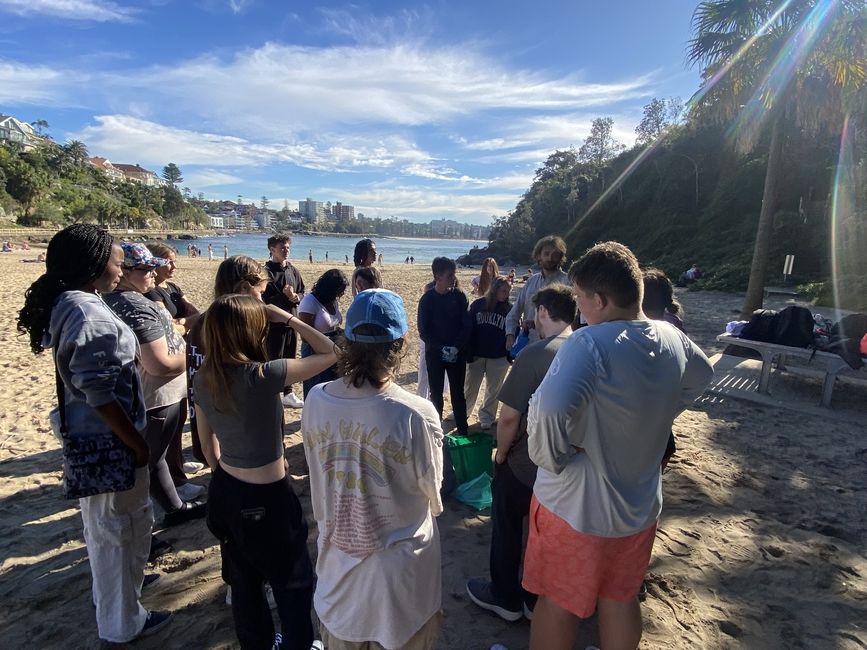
x=831, y=364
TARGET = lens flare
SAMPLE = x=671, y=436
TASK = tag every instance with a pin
x=724, y=69
x=791, y=56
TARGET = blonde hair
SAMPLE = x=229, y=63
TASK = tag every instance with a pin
x=238, y=274
x=493, y=290
x=159, y=249
x=233, y=334
x=485, y=278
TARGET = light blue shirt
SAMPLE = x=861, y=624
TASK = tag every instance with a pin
x=613, y=390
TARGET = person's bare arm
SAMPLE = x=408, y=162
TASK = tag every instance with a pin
x=208, y=439
x=303, y=325
x=118, y=421
x=157, y=361
x=507, y=431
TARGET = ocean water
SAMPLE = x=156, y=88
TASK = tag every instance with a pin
x=394, y=250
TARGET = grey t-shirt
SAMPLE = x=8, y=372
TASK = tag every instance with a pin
x=149, y=322
x=527, y=373
x=250, y=429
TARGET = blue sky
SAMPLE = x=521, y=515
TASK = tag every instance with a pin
x=420, y=111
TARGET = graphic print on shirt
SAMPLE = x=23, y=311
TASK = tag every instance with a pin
x=359, y=465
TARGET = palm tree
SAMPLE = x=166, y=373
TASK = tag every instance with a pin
x=798, y=62
x=77, y=152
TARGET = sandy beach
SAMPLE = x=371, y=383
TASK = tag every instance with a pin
x=762, y=542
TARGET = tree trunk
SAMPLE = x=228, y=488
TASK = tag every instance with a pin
x=759, y=267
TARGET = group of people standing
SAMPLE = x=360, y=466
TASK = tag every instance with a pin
x=584, y=423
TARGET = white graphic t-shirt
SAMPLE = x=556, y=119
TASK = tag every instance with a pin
x=375, y=474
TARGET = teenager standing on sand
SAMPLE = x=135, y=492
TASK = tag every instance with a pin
x=375, y=457
x=252, y=508
x=597, y=428
x=102, y=420
x=162, y=358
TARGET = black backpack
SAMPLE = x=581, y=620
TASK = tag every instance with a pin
x=761, y=326
x=793, y=326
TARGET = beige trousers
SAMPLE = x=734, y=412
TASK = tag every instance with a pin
x=424, y=639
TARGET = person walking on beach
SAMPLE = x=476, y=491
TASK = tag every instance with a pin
x=514, y=472
x=285, y=290
x=210, y=252
x=444, y=326
x=252, y=509
x=597, y=428
x=101, y=420
x=548, y=254
x=487, y=351
x=225, y=251
x=376, y=493
x=310, y=255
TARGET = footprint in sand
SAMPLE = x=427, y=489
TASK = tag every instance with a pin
x=727, y=627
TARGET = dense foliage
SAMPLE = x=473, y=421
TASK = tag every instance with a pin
x=54, y=184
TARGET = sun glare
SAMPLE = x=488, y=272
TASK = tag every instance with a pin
x=843, y=213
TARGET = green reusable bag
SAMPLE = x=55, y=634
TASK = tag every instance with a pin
x=476, y=493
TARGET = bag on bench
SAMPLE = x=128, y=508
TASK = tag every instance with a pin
x=846, y=338
x=792, y=326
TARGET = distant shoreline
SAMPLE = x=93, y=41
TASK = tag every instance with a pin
x=30, y=232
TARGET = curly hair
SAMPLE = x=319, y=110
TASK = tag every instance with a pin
x=554, y=241
x=76, y=256
x=330, y=286
x=362, y=251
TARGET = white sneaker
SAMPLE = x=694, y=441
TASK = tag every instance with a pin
x=190, y=491
x=292, y=402
x=192, y=466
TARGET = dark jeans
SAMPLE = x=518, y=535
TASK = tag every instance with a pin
x=262, y=530
x=457, y=372
x=329, y=374
x=163, y=424
x=175, y=452
x=511, y=505
x=281, y=342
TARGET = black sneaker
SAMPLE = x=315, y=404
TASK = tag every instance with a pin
x=189, y=510
x=156, y=620
x=159, y=548
x=482, y=594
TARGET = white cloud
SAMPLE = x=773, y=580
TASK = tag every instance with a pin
x=85, y=10
x=124, y=138
x=209, y=178
x=239, y=6
x=26, y=85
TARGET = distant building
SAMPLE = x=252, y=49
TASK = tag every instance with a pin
x=312, y=211
x=343, y=212
x=445, y=228
x=140, y=175
x=104, y=165
x=14, y=130
x=215, y=222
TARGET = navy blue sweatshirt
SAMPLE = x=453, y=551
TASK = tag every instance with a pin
x=443, y=320
x=488, y=338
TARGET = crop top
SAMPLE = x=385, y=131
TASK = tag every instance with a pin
x=251, y=434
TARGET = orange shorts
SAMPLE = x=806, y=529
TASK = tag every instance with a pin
x=575, y=570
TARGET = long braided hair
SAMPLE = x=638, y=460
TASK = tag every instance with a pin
x=76, y=255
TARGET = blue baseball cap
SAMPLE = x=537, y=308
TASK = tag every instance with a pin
x=379, y=307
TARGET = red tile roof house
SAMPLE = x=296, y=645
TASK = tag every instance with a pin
x=139, y=174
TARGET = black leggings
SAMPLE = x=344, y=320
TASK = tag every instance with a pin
x=263, y=536
x=164, y=424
